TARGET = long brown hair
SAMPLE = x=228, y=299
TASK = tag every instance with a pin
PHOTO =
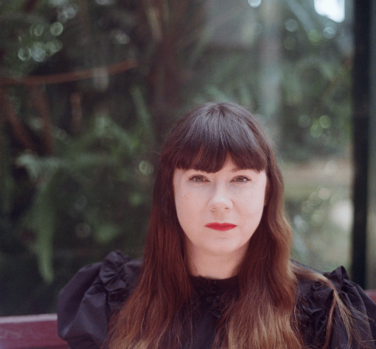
x=158, y=313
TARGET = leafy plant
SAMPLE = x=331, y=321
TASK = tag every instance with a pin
x=88, y=90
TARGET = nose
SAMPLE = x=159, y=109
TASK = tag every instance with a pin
x=220, y=198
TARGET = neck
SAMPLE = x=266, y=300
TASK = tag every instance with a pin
x=213, y=266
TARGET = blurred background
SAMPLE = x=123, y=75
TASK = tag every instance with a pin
x=89, y=89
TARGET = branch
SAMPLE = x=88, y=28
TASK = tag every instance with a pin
x=111, y=69
x=19, y=132
x=30, y=5
x=40, y=102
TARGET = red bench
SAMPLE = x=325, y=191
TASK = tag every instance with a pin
x=40, y=331
x=372, y=294
x=30, y=331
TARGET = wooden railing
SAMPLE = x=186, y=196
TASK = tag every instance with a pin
x=40, y=331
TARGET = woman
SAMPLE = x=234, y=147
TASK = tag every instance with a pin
x=216, y=270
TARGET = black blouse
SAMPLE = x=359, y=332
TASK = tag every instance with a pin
x=86, y=303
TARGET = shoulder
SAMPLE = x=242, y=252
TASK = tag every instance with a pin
x=314, y=302
x=92, y=295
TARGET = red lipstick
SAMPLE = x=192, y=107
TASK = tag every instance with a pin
x=220, y=226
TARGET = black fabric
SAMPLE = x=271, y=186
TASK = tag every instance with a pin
x=96, y=291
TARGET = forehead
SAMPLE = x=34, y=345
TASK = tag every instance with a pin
x=212, y=159
x=229, y=167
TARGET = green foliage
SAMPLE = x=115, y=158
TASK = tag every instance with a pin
x=78, y=155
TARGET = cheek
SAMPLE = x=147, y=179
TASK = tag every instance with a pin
x=186, y=203
x=187, y=215
x=184, y=207
x=254, y=205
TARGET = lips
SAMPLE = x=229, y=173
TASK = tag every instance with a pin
x=220, y=226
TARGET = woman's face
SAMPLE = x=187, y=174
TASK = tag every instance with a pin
x=219, y=212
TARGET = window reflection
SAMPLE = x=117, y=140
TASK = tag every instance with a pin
x=333, y=9
x=89, y=89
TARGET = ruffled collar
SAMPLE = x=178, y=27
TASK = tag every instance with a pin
x=215, y=293
x=118, y=275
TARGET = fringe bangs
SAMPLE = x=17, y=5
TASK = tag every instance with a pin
x=213, y=136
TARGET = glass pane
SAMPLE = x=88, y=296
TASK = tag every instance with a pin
x=371, y=242
x=290, y=62
x=90, y=88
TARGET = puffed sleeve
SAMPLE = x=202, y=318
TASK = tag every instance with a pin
x=91, y=296
x=313, y=312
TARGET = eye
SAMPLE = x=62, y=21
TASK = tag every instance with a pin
x=198, y=179
x=241, y=179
